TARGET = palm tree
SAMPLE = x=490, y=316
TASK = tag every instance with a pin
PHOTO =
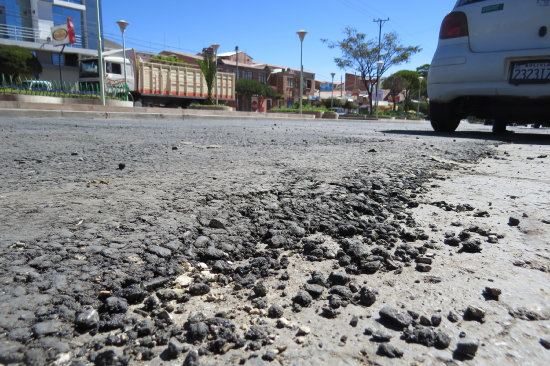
x=208, y=68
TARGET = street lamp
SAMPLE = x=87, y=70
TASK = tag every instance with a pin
x=420, y=78
x=236, y=76
x=123, y=24
x=332, y=89
x=215, y=46
x=100, y=56
x=379, y=66
x=301, y=34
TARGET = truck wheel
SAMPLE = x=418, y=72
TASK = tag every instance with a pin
x=442, y=117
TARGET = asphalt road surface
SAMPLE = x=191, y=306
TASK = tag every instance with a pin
x=292, y=243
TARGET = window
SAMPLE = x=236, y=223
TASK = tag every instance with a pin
x=290, y=82
x=262, y=77
x=60, y=15
x=68, y=1
x=113, y=68
x=308, y=84
x=17, y=15
x=89, y=68
x=247, y=74
x=58, y=59
x=69, y=59
x=3, y=15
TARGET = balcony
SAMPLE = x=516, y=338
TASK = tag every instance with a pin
x=26, y=34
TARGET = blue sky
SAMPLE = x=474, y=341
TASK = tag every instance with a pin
x=267, y=30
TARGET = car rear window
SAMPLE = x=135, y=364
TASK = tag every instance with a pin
x=466, y=2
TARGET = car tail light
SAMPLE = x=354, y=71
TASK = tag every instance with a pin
x=454, y=25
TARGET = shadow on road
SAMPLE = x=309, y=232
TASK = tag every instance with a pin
x=508, y=137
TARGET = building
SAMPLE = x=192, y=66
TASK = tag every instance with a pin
x=285, y=81
x=28, y=23
x=327, y=89
x=247, y=69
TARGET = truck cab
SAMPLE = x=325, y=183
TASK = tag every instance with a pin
x=113, y=66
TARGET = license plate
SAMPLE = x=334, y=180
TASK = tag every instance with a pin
x=530, y=72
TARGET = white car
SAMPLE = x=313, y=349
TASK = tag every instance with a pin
x=492, y=62
x=40, y=85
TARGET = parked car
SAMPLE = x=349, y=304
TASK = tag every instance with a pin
x=40, y=85
x=340, y=111
x=492, y=62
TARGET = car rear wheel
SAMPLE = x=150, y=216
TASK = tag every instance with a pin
x=442, y=117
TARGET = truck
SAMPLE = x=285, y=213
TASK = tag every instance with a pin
x=153, y=82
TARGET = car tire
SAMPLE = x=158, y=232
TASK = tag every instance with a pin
x=442, y=117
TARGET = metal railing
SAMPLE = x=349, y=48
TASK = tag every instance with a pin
x=24, y=86
x=27, y=34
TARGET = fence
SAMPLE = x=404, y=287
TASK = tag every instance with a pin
x=22, y=85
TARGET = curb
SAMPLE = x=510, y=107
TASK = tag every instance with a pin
x=39, y=113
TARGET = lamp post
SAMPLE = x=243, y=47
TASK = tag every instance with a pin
x=123, y=24
x=237, y=76
x=100, y=56
x=420, y=78
x=215, y=46
x=332, y=89
x=379, y=65
x=301, y=34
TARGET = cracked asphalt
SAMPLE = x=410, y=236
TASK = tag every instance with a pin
x=292, y=243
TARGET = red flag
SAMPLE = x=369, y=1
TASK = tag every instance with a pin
x=70, y=29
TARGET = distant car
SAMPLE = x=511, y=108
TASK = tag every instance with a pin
x=339, y=110
x=492, y=62
x=38, y=85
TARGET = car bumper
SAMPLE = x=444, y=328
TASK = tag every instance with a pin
x=457, y=72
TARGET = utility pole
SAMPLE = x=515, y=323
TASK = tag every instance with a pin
x=379, y=63
x=332, y=89
x=380, y=23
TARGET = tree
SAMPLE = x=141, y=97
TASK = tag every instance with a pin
x=173, y=59
x=208, y=68
x=350, y=105
x=396, y=84
x=411, y=77
x=252, y=88
x=17, y=61
x=361, y=55
x=423, y=70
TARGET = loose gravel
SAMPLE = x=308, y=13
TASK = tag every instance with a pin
x=237, y=243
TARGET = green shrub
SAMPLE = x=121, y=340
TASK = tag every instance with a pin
x=332, y=102
x=18, y=61
x=305, y=108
